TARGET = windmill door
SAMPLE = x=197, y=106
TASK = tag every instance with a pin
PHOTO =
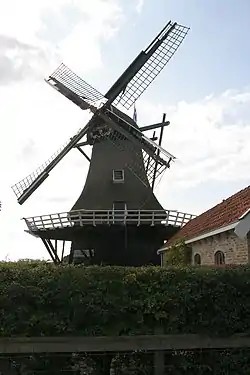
x=119, y=212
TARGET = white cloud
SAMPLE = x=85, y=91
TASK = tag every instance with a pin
x=214, y=141
x=31, y=20
x=209, y=137
x=139, y=6
x=60, y=30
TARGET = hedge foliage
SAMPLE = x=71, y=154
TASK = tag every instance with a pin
x=178, y=254
x=41, y=299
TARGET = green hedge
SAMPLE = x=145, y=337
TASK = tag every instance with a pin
x=41, y=299
x=178, y=254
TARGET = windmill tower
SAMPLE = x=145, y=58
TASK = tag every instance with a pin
x=117, y=219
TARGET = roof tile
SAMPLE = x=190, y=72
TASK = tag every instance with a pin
x=224, y=213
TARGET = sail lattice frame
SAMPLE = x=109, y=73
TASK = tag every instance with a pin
x=153, y=66
x=75, y=84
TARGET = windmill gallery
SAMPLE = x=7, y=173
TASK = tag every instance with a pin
x=117, y=219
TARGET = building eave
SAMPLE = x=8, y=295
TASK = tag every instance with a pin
x=204, y=235
x=241, y=229
x=245, y=214
x=213, y=232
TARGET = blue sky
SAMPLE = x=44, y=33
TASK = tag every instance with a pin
x=214, y=57
x=205, y=91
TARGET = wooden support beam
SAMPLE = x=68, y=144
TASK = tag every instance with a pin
x=154, y=126
x=80, y=144
x=158, y=152
x=159, y=358
x=48, y=249
x=54, y=251
x=83, y=153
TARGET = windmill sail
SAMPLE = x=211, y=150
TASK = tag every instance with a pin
x=73, y=87
x=147, y=65
x=24, y=188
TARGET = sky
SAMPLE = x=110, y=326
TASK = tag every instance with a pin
x=204, y=90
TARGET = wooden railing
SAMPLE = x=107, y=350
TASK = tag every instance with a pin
x=108, y=217
x=71, y=344
x=15, y=350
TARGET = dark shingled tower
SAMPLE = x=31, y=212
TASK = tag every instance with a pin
x=117, y=219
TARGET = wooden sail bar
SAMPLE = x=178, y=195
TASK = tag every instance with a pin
x=106, y=217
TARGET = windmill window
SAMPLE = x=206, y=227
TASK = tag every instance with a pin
x=219, y=258
x=118, y=175
x=197, y=259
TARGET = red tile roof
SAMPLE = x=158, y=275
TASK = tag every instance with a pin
x=224, y=213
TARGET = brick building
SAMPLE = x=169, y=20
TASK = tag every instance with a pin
x=220, y=235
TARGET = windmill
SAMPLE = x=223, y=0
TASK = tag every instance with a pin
x=117, y=218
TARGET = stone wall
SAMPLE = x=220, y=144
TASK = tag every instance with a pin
x=236, y=251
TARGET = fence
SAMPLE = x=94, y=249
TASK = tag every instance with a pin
x=107, y=217
x=143, y=354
